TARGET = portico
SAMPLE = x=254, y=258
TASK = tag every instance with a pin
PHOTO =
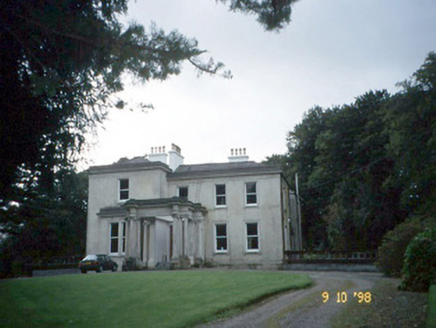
x=162, y=230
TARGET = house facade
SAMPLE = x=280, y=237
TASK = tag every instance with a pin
x=159, y=211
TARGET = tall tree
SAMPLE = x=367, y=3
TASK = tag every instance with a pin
x=272, y=14
x=411, y=125
x=365, y=167
x=47, y=226
x=61, y=67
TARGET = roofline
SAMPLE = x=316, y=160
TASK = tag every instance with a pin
x=116, y=168
x=221, y=174
x=159, y=202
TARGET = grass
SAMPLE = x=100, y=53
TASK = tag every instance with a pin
x=137, y=299
x=389, y=307
x=431, y=319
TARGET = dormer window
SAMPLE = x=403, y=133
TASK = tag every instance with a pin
x=123, y=189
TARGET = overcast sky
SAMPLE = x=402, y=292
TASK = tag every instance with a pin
x=330, y=53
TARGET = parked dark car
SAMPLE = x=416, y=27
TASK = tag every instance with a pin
x=98, y=263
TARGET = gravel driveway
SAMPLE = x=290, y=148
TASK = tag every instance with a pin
x=304, y=308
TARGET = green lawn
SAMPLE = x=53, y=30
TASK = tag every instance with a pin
x=431, y=319
x=136, y=299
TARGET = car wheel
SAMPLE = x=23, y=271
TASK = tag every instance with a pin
x=84, y=271
x=115, y=268
x=100, y=269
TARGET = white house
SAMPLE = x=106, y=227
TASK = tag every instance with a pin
x=157, y=210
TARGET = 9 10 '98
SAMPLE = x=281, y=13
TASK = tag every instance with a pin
x=342, y=297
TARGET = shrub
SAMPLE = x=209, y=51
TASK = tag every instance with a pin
x=394, y=244
x=131, y=264
x=420, y=262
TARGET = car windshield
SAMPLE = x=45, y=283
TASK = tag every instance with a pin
x=91, y=257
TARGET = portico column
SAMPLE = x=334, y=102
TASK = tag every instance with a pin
x=200, y=239
x=184, y=235
x=151, y=242
x=133, y=234
x=127, y=232
x=146, y=242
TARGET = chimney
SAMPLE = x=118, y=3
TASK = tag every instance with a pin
x=158, y=154
x=173, y=158
x=176, y=158
x=238, y=155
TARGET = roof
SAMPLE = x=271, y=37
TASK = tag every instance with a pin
x=189, y=171
x=113, y=211
x=121, y=211
x=223, y=169
x=125, y=164
x=162, y=202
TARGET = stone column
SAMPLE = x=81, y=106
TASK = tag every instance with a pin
x=145, y=243
x=133, y=232
x=200, y=239
x=127, y=231
x=151, y=235
x=184, y=236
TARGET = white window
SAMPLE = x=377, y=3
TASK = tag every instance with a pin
x=118, y=238
x=221, y=238
x=183, y=192
x=123, y=189
x=220, y=195
x=252, y=237
x=250, y=192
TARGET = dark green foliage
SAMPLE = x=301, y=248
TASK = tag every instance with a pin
x=62, y=65
x=367, y=166
x=131, y=264
x=420, y=262
x=431, y=318
x=395, y=242
x=272, y=14
x=47, y=227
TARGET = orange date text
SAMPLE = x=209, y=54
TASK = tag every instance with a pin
x=344, y=297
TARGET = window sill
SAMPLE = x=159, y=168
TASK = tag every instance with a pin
x=221, y=253
x=254, y=251
x=218, y=207
x=251, y=205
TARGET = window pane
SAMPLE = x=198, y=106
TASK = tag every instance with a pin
x=221, y=230
x=123, y=229
x=220, y=189
x=123, y=234
x=183, y=192
x=124, y=184
x=251, y=229
x=114, y=245
x=124, y=194
x=114, y=230
x=252, y=243
x=251, y=187
x=221, y=200
x=251, y=199
x=221, y=244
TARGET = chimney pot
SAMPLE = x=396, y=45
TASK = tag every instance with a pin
x=238, y=155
